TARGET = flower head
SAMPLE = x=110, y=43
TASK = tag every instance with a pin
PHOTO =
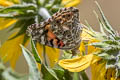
x=103, y=53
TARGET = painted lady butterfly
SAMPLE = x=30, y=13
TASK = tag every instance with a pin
x=61, y=31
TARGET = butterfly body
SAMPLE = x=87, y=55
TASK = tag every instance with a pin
x=62, y=30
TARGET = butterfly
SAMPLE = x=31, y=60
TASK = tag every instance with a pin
x=61, y=31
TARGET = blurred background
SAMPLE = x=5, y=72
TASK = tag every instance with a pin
x=86, y=7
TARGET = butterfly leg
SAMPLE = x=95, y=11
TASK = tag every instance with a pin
x=75, y=51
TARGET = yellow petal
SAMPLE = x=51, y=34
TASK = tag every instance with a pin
x=76, y=64
x=16, y=1
x=4, y=23
x=95, y=59
x=53, y=55
x=92, y=49
x=70, y=3
x=82, y=48
x=5, y=3
x=98, y=71
x=85, y=35
x=10, y=50
x=40, y=50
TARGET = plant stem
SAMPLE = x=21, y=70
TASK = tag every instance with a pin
x=44, y=55
x=76, y=76
x=84, y=75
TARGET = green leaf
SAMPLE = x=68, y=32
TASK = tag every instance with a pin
x=33, y=68
x=67, y=54
x=103, y=55
x=55, y=2
x=67, y=75
x=48, y=74
x=21, y=31
x=45, y=2
x=42, y=2
x=18, y=8
x=55, y=8
x=8, y=74
x=99, y=44
x=28, y=1
x=26, y=38
x=18, y=24
x=100, y=23
x=58, y=1
x=60, y=73
x=23, y=28
x=108, y=27
x=19, y=11
x=17, y=15
x=14, y=15
x=111, y=63
x=38, y=19
x=112, y=42
x=84, y=75
x=2, y=68
x=88, y=26
x=34, y=51
x=76, y=76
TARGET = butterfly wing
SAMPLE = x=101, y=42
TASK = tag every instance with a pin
x=66, y=26
x=62, y=30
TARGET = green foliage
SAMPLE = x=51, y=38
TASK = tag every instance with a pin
x=33, y=68
x=109, y=44
x=47, y=73
x=35, y=53
x=9, y=74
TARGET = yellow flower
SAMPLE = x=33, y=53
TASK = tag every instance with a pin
x=11, y=47
x=5, y=23
x=97, y=65
x=80, y=63
x=10, y=50
x=85, y=36
x=70, y=3
x=77, y=64
x=5, y=3
x=99, y=72
x=52, y=54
